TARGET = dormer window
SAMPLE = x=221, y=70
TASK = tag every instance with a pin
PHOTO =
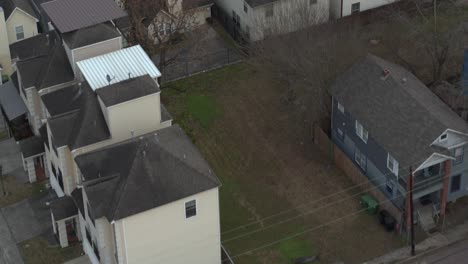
x=443, y=137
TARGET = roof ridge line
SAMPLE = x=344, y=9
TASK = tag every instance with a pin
x=122, y=185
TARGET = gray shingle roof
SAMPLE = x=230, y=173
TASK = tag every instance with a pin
x=143, y=173
x=47, y=70
x=70, y=15
x=83, y=126
x=11, y=102
x=31, y=146
x=400, y=112
x=63, y=207
x=63, y=100
x=90, y=35
x=10, y=5
x=32, y=47
x=127, y=90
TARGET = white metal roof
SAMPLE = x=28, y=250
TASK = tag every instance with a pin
x=119, y=66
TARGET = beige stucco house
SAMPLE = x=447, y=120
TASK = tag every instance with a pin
x=258, y=19
x=18, y=21
x=160, y=200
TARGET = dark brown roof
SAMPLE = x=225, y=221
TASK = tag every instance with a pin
x=70, y=15
x=90, y=35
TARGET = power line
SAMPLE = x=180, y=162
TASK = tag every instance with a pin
x=316, y=201
x=204, y=239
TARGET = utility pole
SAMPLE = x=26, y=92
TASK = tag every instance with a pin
x=411, y=211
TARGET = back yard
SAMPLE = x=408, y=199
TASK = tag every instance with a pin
x=271, y=174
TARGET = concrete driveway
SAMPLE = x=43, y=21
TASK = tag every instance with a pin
x=10, y=159
x=9, y=253
x=22, y=221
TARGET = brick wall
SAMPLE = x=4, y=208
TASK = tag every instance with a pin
x=349, y=168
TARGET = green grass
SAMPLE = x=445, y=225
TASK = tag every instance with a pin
x=3, y=135
x=196, y=106
x=293, y=249
x=38, y=251
x=203, y=109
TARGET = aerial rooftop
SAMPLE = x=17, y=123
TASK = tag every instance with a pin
x=117, y=66
x=71, y=15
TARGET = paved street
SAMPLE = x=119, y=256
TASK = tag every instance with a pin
x=457, y=253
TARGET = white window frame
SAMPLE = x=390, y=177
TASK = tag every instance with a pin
x=354, y=11
x=445, y=136
x=360, y=158
x=361, y=132
x=392, y=164
x=22, y=32
x=340, y=107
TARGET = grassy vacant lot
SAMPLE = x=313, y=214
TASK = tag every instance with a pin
x=256, y=146
x=17, y=192
x=38, y=251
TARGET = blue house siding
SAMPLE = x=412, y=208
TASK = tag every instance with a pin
x=459, y=168
x=376, y=166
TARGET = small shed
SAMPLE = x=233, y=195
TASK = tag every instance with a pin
x=65, y=223
x=33, y=156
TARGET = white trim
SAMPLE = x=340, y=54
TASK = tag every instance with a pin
x=447, y=130
x=129, y=101
x=427, y=162
x=35, y=19
x=395, y=164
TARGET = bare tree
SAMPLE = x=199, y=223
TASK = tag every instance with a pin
x=158, y=24
x=306, y=60
x=433, y=29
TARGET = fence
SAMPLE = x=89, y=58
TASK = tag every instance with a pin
x=186, y=66
x=349, y=168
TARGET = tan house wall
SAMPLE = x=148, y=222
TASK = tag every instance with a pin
x=91, y=51
x=141, y=116
x=21, y=18
x=160, y=235
x=5, y=56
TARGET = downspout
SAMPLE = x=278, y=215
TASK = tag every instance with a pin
x=341, y=12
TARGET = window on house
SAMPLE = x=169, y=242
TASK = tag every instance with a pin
x=269, y=11
x=340, y=107
x=389, y=186
x=19, y=30
x=360, y=159
x=234, y=16
x=190, y=209
x=312, y=2
x=340, y=134
x=238, y=20
x=246, y=9
x=167, y=28
x=355, y=8
x=456, y=183
x=443, y=137
x=459, y=155
x=392, y=164
x=361, y=132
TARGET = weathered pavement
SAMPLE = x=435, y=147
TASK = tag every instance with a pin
x=437, y=241
x=9, y=253
x=457, y=253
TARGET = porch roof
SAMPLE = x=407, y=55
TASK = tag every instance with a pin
x=31, y=146
x=63, y=208
x=11, y=102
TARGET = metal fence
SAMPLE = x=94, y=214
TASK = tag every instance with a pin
x=186, y=66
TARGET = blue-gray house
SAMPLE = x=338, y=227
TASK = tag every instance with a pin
x=387, y=121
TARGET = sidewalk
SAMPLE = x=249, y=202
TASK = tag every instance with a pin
x=403, y=255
